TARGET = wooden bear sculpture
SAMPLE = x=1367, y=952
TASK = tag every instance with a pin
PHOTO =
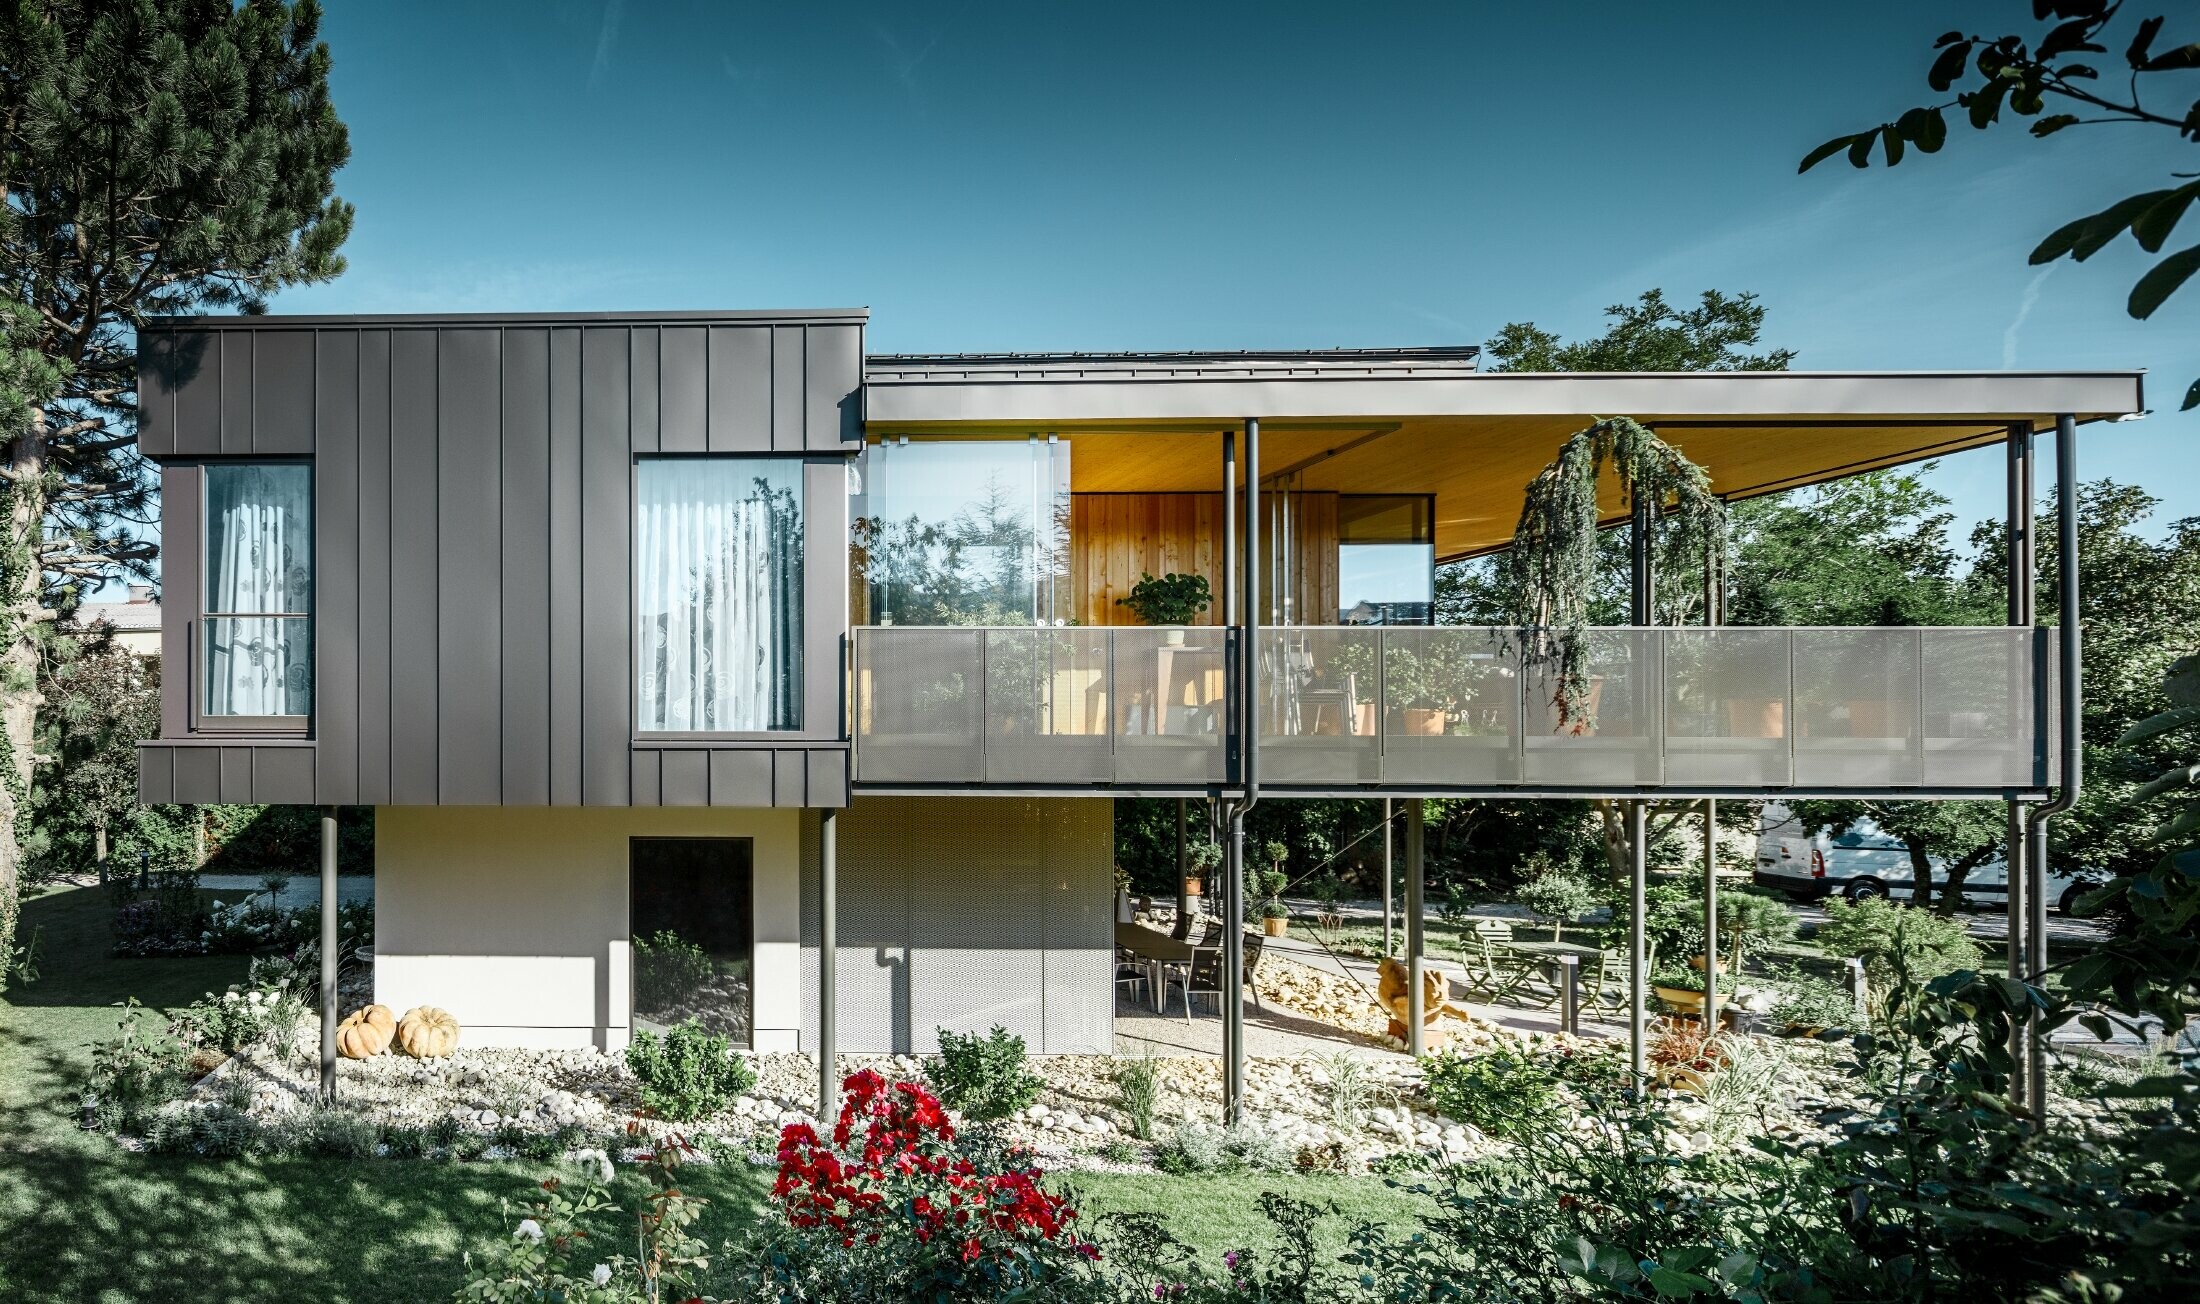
x=427, y=1032
x=365, y=1033
x=1393, y=989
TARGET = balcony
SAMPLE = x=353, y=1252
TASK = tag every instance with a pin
x=1918, y=711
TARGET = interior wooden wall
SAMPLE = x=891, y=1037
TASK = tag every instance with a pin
x=1116, y=537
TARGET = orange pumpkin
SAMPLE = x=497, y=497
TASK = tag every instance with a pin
x=366, y=1033
x=427, y=1032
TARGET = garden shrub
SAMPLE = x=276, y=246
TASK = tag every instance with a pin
x=407, y=1142
x=1239, y=1147
x=334, y=1132
x=1138, y=1082
x=987, y=1076
x=1805, y=1001
x=666, y=968
x=1505, y=1092
x=551, y=1250
x=239, y=1020
x=690, y=1073
x=1894, y=940
x=141, y=1068
x=216, y=1132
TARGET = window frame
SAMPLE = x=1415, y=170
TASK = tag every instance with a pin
x=1429, y=514
x=804, y=730
x=201, y=720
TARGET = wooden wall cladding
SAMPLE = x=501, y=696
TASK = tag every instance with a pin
x=1114, y=538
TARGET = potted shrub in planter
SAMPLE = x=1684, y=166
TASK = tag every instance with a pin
x=1200, y=860
x=1680, y=988
x=1173, y=599
x=1557, y=894
x=1275, y=917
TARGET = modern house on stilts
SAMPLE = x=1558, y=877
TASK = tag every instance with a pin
x=706, y=629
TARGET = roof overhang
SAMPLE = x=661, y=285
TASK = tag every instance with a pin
x=1473, y=440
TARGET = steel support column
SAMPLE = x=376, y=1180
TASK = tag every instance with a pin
x=1416, y=842
x=1248, y=724
x=330, y=943
x=1642, y=610
x=2021, y=567
x=1388, y=938
x=2070, y=701
x=1183, y=927
x=828, y=941
x=1714, y=613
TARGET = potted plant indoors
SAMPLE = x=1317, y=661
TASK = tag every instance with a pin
x=1173, y=599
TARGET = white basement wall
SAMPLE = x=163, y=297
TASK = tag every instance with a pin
x=515, y=919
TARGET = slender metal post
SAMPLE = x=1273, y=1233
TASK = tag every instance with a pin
x=828, y=942
x=1183, y=927
x=1388, y=938
x=1233, y=915
x=1643, y=586
x=1416, y=842
x=329, y=944
x=1251, y=675
x=1638, y=959
x=2022, y=566
x=1233, y=964
x=1714, y=604
x=1233, y=730
x=1569, y=994
x=2071, y=703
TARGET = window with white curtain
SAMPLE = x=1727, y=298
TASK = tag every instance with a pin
x=257, y=641
x=718, y=594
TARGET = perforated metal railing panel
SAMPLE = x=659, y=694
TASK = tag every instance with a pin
x=1866, y=709
x=966, y=912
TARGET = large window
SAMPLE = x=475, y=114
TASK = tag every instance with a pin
x=964, y=532
x=718, y=594
x=256, y=617
x=1386, y=559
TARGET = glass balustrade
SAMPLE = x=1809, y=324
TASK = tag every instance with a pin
x=1879, y=709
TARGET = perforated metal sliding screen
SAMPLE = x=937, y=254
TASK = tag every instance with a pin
x=966, y=912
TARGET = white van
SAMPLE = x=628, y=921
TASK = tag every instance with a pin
x=1865, y=862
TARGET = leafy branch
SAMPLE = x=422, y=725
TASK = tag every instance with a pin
x=2009, y=73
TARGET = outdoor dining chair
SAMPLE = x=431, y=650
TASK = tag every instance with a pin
x=1498, y=973
x=1132, y=971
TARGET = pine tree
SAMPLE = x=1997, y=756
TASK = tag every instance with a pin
x=160, y=157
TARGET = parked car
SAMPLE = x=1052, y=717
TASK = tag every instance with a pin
x=1866, y=861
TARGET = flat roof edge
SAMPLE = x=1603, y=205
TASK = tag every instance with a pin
x=283, y=321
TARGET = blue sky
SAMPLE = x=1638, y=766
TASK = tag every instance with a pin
x=996, y=176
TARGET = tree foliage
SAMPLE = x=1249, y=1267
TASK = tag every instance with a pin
x=158, y=158
x=2058, y=69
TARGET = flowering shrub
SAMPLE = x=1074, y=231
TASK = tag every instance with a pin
x=888, y=1207
x=551, y=1255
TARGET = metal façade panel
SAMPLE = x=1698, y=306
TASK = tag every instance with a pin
x=523, y=585
x=373, y=721
x=282, y=393
x=414, y=547
x=607, y=685
x=468, y=525
x=473, y=528
x=562, y=565
x=337, y=498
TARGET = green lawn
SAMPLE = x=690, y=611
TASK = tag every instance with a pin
x=81, y=1219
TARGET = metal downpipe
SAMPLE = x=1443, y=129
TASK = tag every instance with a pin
x=1248, y=719
x=828, y=941
x=2023, y=581
x=329, y=944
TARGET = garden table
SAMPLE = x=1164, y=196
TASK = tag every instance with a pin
x=1157, y=949
x=1552, y=950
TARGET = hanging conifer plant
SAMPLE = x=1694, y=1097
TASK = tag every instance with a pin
x=1551, y=567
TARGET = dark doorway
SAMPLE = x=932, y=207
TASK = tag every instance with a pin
x=690, y=907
